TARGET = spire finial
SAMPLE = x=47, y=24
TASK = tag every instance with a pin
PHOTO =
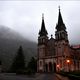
x=42, y=15
x=59, y=7
x=51, y=36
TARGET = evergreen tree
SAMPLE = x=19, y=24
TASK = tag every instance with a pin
x=19, y=62
x=32, y=65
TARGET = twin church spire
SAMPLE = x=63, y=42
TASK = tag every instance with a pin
x=60, y=28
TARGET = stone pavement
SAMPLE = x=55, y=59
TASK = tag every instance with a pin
x=38, y=76
x=47, y=76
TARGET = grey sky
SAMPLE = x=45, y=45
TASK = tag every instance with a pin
x=25, y=17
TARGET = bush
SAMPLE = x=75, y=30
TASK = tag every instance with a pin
x=29, y=72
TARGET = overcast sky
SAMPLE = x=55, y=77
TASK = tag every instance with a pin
x=26, y=16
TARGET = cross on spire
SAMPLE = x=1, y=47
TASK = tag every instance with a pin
x=42, y=15
x=59, y=8
x=51, y=36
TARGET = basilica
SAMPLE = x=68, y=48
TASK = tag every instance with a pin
x=56, y=54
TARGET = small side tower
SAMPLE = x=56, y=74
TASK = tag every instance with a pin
x=42, y=46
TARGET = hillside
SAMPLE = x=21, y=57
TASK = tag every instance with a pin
x=10, y=41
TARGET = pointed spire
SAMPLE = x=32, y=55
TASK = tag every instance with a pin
x=60, y=25
x=43, y=30
x=60, y=20
x=43, y=24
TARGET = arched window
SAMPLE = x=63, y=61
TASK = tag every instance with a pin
x=40, y=63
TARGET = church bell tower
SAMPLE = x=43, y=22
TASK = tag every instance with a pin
x=61, y=42
x=61, y=33
x=42, y=46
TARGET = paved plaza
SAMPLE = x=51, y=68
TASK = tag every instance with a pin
x=6, y=76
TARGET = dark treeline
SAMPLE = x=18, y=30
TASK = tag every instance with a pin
x=18, y=65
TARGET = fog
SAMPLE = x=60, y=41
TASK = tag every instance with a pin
x=25, y=17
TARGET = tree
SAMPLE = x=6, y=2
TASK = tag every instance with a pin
x=18, y=62
x=32, y=65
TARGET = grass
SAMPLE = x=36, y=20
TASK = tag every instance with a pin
x=73, y=75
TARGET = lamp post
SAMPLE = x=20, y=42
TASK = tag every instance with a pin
x=68, y=62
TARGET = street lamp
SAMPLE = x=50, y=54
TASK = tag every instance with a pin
x=68, y=62
x=58, y=66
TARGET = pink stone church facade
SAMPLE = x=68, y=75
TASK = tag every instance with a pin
x=56, y=54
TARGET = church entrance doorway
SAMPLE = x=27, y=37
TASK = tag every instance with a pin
x=50, y=67
x=54, y=65
x=46, y=67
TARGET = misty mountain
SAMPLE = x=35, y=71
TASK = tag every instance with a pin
x=10, y=41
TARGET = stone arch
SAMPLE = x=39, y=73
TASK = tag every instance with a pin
x=46, y=67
